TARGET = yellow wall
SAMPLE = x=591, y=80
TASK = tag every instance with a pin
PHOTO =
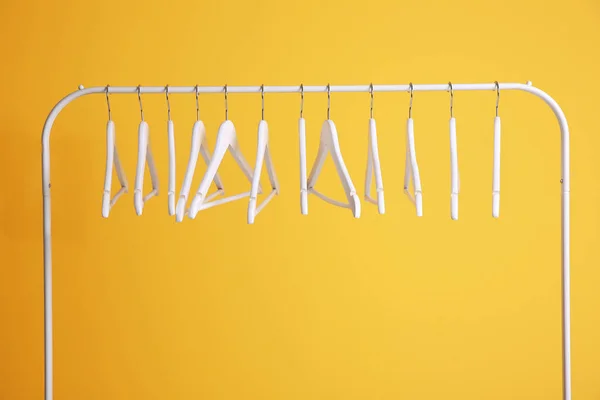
x=294, y=307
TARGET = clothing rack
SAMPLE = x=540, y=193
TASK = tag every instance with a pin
x=300, y=89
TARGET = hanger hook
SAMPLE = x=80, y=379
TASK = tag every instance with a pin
x=328, y=100
x=226, y=107
x=197, y=105
x=497, y=96
x=372, y=98
x=410, y=88
x=451, y=100
x=168, y=103
x=108, y=102
x=139, y=93
x=301, y=100
x=262, y=102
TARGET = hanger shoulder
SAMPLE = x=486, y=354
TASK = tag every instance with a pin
x=110, y=152
x=369, y=172
x=411, y=172
x=198, y=147
x=455, y=179
x=153, y=172
x=329, y=143
x=225, y=136
x=263, y=142
x=198, y=133
x=271, y=169
x=407, y=164
x=112, y=158
x=496, y=169
x=324, y=145
x=144, y=156
x=338, y=160
x=262, y=156
x=171, y=183
x=226, y=141
x=303, y=177
x=374, y=167
x=239, y=158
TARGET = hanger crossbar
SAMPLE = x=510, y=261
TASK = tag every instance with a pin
x=224, y=200
x=328, y=199
x=265, y=202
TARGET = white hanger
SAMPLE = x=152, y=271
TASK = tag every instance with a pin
x=262, y=154
x=199, y=145
x=373, y=165
x=112, y=157
x=411, y=169
x=226, y=141
x=496, y=172
x=329, y=143
x=144, y=155
x=302, y=140
x=454, y=174
x=171, y=143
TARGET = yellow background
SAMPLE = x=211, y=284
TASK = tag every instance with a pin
x=322, y=306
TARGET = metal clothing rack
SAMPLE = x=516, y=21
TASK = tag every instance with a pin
x=564, y=180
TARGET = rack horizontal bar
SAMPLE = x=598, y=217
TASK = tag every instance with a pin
x=306, y=89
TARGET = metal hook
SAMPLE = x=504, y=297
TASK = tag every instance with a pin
x=497, y=96
x=410, y=88
x=139, y=93
x=226, y=107
x=328, y=100
x=197, y=106
x=262, y=102
x=168, y=103
x=451, y=100
x=108, y=103
x=372, y=98
x=301, y=100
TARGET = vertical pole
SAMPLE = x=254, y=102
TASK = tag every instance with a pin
x=48, y=359
x=566, y=258
x=565, y=235
x=566, y=294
